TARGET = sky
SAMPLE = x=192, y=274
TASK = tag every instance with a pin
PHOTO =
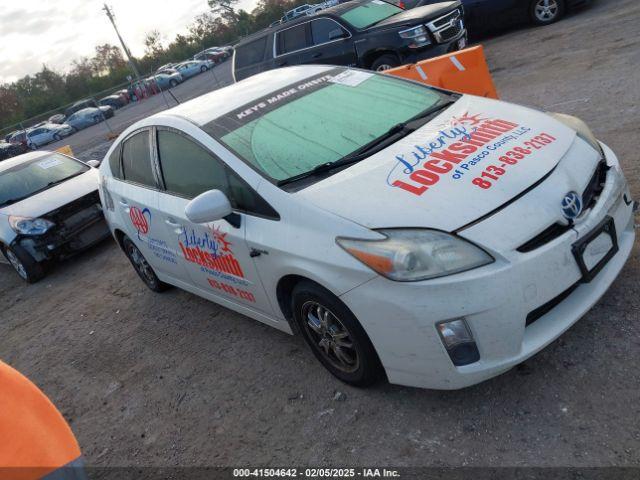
x=55, y=32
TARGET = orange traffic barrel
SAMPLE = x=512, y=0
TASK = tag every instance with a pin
x=36, y=442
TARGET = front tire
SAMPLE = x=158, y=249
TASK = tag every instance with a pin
x=546, y=12
x=334, y=335
x=203, y=69
x=142, y=266
x=385, y=62
x=24, y=264
x=57, y=137
x=173, y=83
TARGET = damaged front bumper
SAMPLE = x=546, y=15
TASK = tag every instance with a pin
x=77, y=227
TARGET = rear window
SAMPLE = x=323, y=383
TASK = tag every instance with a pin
x=251, y=53
x=292, y=39
x=370, y=13
x=28, y=178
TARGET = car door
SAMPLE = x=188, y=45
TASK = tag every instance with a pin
x=331, y=44
x=38, y=136
x=215, y=255
x=135, y=194
x=289, y=42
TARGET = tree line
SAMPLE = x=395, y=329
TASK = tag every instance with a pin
x=48, y=90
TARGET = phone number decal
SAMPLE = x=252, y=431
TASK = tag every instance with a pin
x=492, y=173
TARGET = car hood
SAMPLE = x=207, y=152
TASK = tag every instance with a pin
x=410, y=17
x=368, y=192
x=55, y=197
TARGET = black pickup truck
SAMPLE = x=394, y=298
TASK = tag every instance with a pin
x=369, y=34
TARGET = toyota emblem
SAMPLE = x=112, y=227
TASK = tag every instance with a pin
x=571, y=206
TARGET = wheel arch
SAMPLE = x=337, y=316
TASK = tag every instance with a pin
x=372, y=55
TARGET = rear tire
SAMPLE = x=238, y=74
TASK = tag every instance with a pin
x=546, y=12
x=56, y=137
x=23, y=263
x=142, y=267
x=334, y=335
x=385, y=62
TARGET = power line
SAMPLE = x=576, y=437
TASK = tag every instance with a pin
x=127, y=52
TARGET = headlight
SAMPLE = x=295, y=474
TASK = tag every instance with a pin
x=581, y=128
x=409, y=255
x=419, y=35
x=413, y=32
x=30, y=226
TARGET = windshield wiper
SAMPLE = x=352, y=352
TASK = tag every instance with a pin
x=391, y=136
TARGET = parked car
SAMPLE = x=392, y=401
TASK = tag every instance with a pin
x=295, y=13
x=82, y=104
x=167, y=80
x=166, y=66
x=368, y=33
x=8, y=150
x=107, y=110
x=481, y=15
x=57, y=118
x=124, y=95
x=18, y=137
x=85, y=118
x=49, y=209
x=438, y=237
x=192, y=68
x=114, y=101
x=213, y=55
x=50, y=132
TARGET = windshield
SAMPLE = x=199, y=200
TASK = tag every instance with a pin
x=320, y=119
x=28, y=178
x=370, y=13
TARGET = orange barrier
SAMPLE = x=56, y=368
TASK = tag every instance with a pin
x=35, y=439
x=465, y=71
x=66, y=150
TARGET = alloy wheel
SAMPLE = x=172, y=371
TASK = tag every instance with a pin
x=546, y=10
x=16, y=264
x=383, y=67
x=330, y=337
x=141, y=265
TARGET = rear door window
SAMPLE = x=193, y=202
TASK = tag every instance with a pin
x=293, y=39
x=251, y=53
x=136, y=160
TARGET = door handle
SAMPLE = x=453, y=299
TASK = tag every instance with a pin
x=282, y=64
x=123, y=203
x=316, y=55
x=172, y=223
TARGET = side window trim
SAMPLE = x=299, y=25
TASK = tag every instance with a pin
x=148, y=130
x=227, y=169
x=309, y=33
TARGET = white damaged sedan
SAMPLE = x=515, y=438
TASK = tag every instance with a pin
x=438, y=238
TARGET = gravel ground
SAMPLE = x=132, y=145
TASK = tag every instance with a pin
x=163, y=380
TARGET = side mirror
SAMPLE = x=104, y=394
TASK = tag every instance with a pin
x=208, y=207
x=336, y=34
x=94, y=163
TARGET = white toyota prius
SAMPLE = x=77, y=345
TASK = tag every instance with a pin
x=438, y=238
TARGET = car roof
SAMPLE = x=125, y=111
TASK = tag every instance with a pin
x=25, y=157
x=203, y=109
x=334, y=11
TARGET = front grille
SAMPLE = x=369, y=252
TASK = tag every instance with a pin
x=447, y=27
x=595, y=186
x=547, y=235
x=74, y=214
x=589, y=199
x=542, y=310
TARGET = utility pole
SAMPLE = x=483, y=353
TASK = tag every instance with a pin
x=132, y=64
